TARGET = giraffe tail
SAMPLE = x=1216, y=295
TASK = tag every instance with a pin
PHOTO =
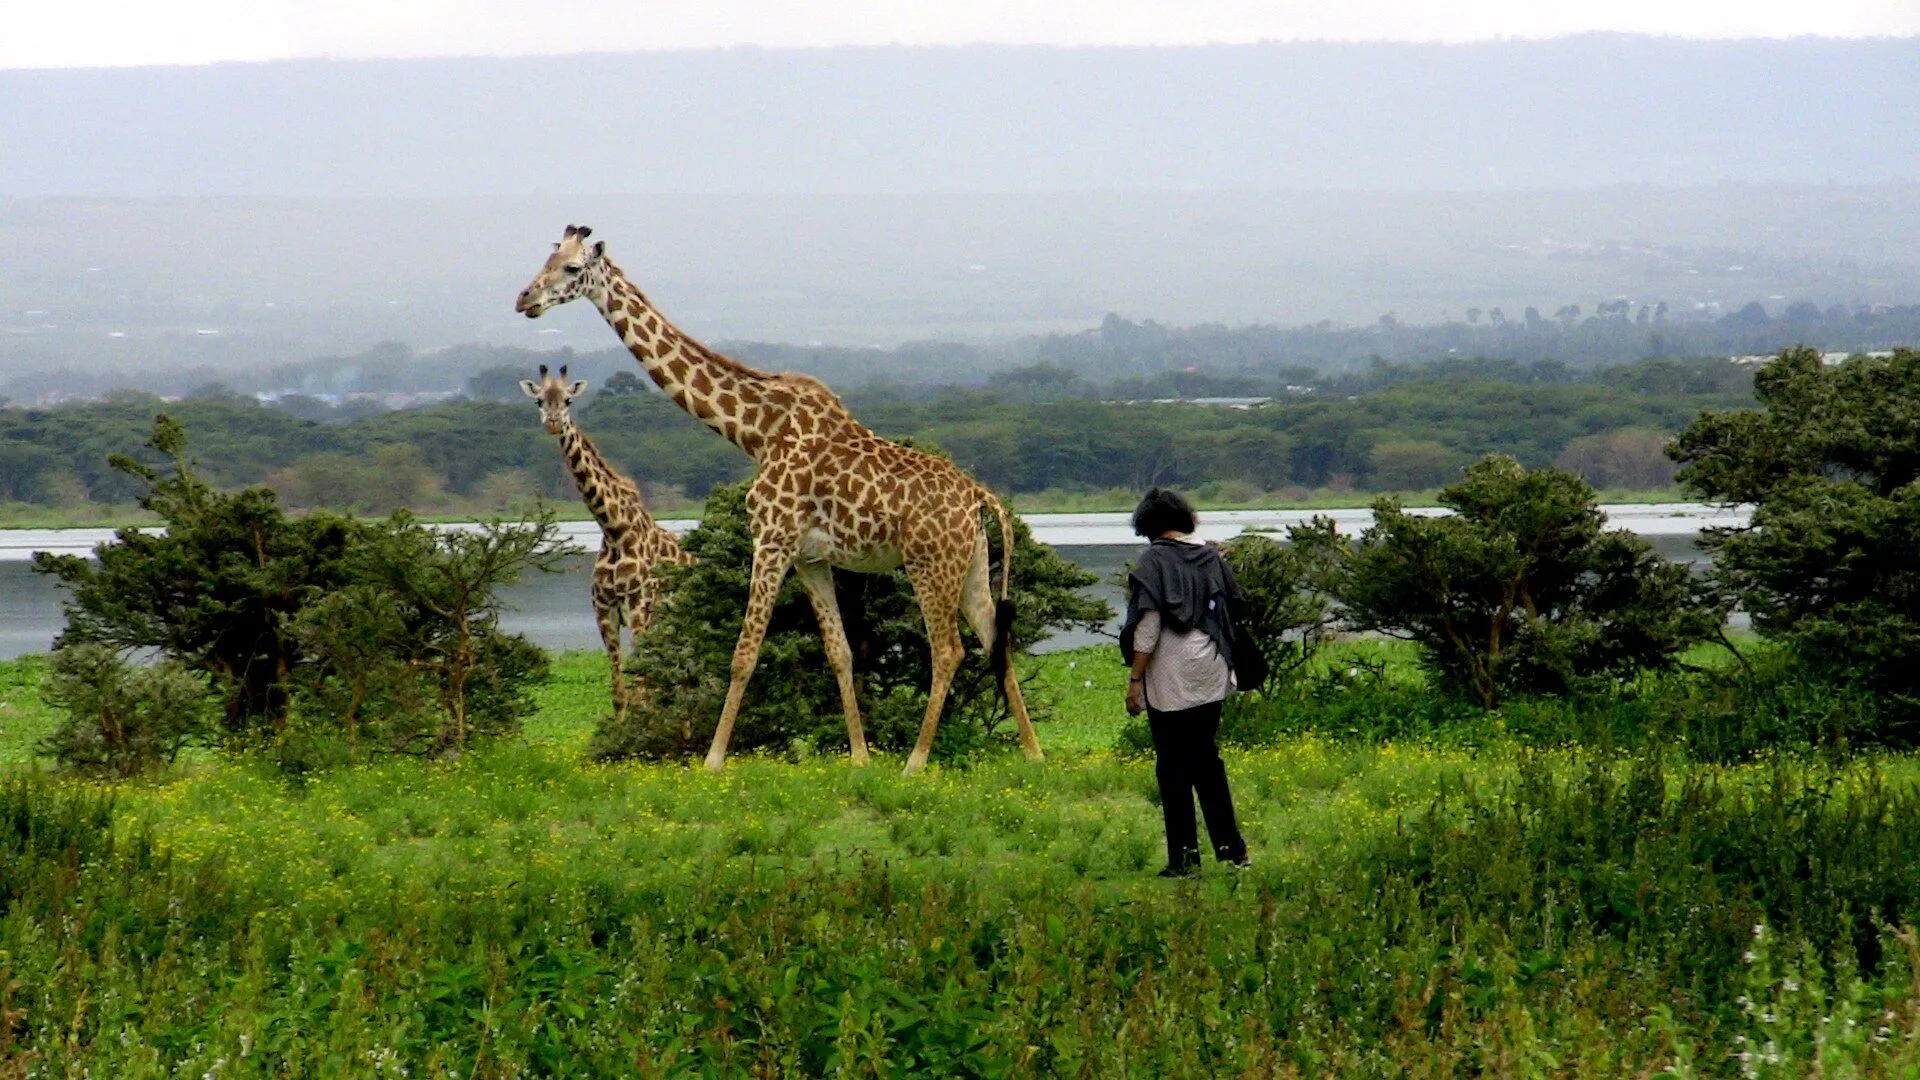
x=999, y=655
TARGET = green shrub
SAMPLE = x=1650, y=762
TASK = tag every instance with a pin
x=684, y=662
x=216, y=591
x=1723, y=712
x=1830, y=564
x=445, y=586
x=42, y=827
x=1677, y=860
x=361, y=691
x=328, y=638
x=409, y=658
x=1285, y=609
x=121, y=718
x=1352, y=703
x=1770, y=703
x=1520, y=590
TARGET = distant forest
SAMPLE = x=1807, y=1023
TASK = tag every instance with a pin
x=1035, y=430
x=1119, y=358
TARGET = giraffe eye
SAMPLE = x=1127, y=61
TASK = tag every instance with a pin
x=573, y=268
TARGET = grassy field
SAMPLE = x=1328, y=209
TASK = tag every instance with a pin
x=1413, y=910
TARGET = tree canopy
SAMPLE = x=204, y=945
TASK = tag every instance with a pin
x=1830, y=561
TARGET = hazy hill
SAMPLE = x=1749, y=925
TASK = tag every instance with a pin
x=247, y=214
x=1575, y=112
x=230, y=282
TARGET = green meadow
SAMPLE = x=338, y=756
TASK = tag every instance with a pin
x=1462, y=907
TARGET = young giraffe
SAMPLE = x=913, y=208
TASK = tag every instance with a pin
x=828, y=493
x=631, y=542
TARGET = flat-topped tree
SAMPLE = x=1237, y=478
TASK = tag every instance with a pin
x=828, y=493
x=632, y=544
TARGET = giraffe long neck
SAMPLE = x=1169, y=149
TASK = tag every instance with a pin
x=596, y=479
x=727, y=396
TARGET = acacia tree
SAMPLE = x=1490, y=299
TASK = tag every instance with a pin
x=121, y=718
x=1520, y=589
x=342, y=621
x=216, y=590
x=446, y=583
x=1829, y=564
x=1285, y=610
x=362, y=679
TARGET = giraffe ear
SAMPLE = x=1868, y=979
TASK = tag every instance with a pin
x=576, y=389
x=527, y=388
x=599, y=249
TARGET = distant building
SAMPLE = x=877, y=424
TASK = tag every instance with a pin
x=1829, y=359
x=1230, y=402
x=1214, y=402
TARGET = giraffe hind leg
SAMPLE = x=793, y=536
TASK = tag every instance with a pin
x=976, y=599
x=939, y=609
x=817, y=578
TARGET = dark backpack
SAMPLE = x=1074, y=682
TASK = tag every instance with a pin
x=1249, y=661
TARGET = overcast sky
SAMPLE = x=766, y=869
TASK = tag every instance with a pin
x=86, y=33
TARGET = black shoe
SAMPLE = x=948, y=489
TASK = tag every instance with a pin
x=1179, y=872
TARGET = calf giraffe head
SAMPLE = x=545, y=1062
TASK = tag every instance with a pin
x=570, y=272
x=554, y=395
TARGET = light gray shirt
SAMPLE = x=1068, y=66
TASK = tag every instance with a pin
x=1184, y=670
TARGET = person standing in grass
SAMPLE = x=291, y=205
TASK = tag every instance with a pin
x=1178, y=642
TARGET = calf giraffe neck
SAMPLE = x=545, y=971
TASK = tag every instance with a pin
x=828, y=493
x=599, y=484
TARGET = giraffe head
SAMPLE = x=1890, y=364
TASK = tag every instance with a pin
x=554, y=395
x=575, y=268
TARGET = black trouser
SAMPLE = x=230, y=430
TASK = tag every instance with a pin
x=1187, y=762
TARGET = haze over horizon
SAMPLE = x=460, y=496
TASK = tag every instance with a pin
x=240, y=212
x=114, y=33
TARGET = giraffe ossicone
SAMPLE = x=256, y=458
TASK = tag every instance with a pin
x=827, y=493
x=632, y=544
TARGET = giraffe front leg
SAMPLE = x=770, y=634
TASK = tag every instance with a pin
x=608, y=616
x=769, y=567
x=817, y=578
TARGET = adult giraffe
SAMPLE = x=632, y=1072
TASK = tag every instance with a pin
x=632, y=544
x=828, y=493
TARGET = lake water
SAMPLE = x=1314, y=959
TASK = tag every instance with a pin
x=553, y=610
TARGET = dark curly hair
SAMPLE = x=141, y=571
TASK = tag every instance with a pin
x=1162, y=510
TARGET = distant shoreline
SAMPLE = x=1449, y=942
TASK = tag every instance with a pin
x=1073, y=529
x=15, y=518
